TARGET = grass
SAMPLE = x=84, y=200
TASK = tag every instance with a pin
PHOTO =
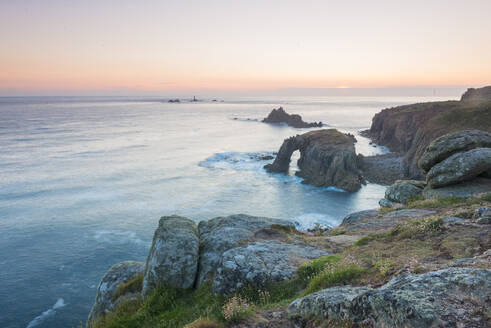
x=165, y=307
x=410, y=229
x=340, y=274
x=131, y=286
x=451, y=201
x=204, y=323
x=310, y=269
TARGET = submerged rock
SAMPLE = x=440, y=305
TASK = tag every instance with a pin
x=459, y=167
x=327, y=158
x=440, y=298
x=260, y=263
x=220, y=234
x=449, y=144
x=115, y=276
x=173, y=256
x=280, y=116
x=403, y=190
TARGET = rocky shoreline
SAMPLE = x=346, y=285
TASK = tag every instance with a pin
x=421, y=260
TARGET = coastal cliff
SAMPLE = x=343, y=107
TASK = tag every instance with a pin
x=409, y=129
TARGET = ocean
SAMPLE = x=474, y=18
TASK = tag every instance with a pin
x=84, y=181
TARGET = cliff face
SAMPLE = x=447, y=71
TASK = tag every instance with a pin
x=409, y=129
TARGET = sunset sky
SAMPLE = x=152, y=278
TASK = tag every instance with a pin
x=140, y=47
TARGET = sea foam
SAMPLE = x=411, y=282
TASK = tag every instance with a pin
x=40, y=318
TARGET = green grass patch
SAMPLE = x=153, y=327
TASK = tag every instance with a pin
x=335, y=274
x=309, y=270
x=166, y=307
x=131, y=286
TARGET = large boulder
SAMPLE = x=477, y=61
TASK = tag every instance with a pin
x=173, y=256
x=449, y=144
x=220, y=234
x=327, y=158
x=119, y=273
x=449, y=297
x=280, y=116
x=260, y=263
x=460, y=167
x=403, y=190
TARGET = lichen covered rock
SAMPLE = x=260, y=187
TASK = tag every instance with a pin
x=446, y=297
x=452, y=143
x=223, y=233
x=114, y=277
x=173, y=256
x=260, y=263
x=403, y=190
x=482, y=215
x=459, y=167
x=352, y=219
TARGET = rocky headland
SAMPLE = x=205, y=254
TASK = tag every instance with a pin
x=327, y=158
x=409, y=129
x=423, y=259
x=281, y=116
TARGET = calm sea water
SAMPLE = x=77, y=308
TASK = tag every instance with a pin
x=83, y=182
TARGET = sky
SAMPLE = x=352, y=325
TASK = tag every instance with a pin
x=65, y=47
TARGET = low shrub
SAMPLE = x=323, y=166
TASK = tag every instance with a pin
x=236, y=309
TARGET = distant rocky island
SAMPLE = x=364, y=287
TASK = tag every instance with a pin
x=281, y=116
x=421, y=260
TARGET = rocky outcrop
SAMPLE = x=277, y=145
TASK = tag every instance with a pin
x=280, y=116
x=452, y=143
x=445, y=297
x=404, y=190
x=477, y=96
x=327, y=158
x=221, y=234
x=460, y=167
x=409, y=129
x=118, y=274
x=368, y=221
x=173, y=256
x=261, y=263
x=354, y=218
x=382, y=169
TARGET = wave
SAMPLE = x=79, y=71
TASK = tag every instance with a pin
x=245, y=119
x=238, y=161
x=119, y=237
x=309, y=220
x=40, y=318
